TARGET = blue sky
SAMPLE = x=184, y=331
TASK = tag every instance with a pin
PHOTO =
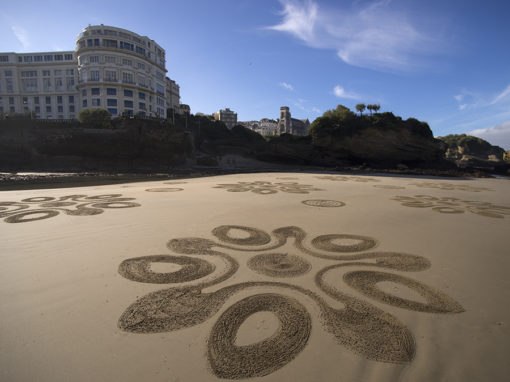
x=446, y=62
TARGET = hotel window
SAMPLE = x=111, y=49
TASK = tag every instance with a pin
x=60, y=109
x=112, y=111
x=4, y=58
x=68, y=57
x=111, y=102
x=47, y=100
x=96, y=101
x=36, y=100
x=127, y=62
x=141, y=81
x=126, y=46
x=8, y=73
x=31, y=73
x=95, y=91
x=82, y=44
x=127, y=78
x=37, y=109
x=48, y=109
x=71, y=99
x=111, y=91
x=59, y=99
x=59, y=57
x=140, y=50
x=94, y=75
x=46, y=84
x=96, y=42
x=109, y=59
x=9, y=85
x=57, y=72
x=38, y=58
x=71, y=108
x=69, y=72
x=20, y=59
x=48, y=57
x=29, y=85
x=110, y=75
x=90, y=42
x=128, y=103
x=94, y=59
x=70, y=83
x=25, y=100
x=141, y=95
x=84, y=103
x=59, y=84
x=46, y=73
x=27, y=59
x=141, y=105
x=128, y=93
x=141, y=65
x=110, y=43
x=84, y=92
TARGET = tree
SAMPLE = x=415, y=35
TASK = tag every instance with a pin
x=95, y=117
x=371, y=108
x=376, y=107
x=361, y=108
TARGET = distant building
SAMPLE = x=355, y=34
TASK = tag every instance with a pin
x=289, y=125
x=110, y=68
x=227, y=116
x=184, y=109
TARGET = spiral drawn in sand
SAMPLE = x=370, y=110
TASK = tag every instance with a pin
x=343, y=178
x=450, y=186
x=359, y=326
x=323, y=203
x=44, y=207
x=446, y=205
x=164, y=189
x=265, y=188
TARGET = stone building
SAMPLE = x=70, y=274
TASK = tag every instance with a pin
x=289, y=125
x=110, y=68
x=227, y=116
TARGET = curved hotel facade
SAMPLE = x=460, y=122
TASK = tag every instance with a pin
x=111, y=68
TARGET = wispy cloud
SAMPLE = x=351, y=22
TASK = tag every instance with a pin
x=469, y=99
x=287, y=86
x=22, y=36
x=501, y=96
x=373, y=36
x=498, y=135
x=341, y=93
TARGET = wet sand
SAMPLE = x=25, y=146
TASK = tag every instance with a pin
x=265, y=276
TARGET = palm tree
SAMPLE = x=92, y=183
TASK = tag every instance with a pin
x=376, y=107
x=361, y=108
x=371, y=108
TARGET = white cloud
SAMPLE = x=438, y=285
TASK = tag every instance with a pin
x=316, y=110
x=498, y=135
x=287, y=86
x=373, y=36
x=22, y=36
x=501, y=96
x=341, y=93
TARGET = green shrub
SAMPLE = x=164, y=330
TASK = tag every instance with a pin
x=97, y=118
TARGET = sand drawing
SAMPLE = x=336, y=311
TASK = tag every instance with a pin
x=288, y=178
x=265, y=188
x=358, y=326
x=175, y=182
x=164, y=189
x=446, y=205
x=342, y=178
x=38, y=208
x=323, y=203
x=388, y=187
x=450, y=186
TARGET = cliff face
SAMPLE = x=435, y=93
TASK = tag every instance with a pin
x=469, y=151
x=381, y=138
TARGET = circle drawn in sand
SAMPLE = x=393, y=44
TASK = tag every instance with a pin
x=138, y=269
x=323, y=203
x=266, y=188
x=447, y=205
x=450, y=186
x=36, y=215
x=359, y=327
x=73, y=205
x=230, y=361
x=279, y=265
x=164, y=189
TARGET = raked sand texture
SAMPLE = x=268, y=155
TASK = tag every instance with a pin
x=270, y=277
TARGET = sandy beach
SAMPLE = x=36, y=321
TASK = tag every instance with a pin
x=266, y=276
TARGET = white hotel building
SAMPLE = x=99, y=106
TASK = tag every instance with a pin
x=111, y=68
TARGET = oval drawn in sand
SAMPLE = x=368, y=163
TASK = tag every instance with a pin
x=279, y=265
x=323, y=203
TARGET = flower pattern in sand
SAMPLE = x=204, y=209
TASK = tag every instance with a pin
x=450, y=186
x=358, y=326
x=44, y=207
x=454, y=206
x=265, y=188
